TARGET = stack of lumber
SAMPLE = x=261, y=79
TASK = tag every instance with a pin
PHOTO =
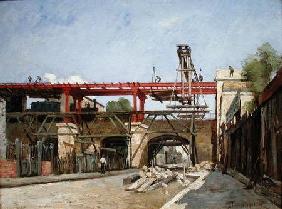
x=173, y=166
x=153, y=178
x=205, y=165
x=156, y=177
x=130, y=179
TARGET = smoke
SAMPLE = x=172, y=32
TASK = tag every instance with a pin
x=52, y=78
x=49, y=77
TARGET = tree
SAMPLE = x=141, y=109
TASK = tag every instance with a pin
x=258, y=68
x=117, y=106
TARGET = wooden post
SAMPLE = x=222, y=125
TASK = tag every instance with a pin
x=196, y=153
x=18, y=156
x=39, y=155
x=184, y=172
x=52, y=158
x=130, y=144
x=79, y=162
x=193, y=150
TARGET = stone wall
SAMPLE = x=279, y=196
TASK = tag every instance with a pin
x=3, y=139
x=204, y=141
x=65, y=140
x=225, y=96
x=139, y=143
x=227, y=89
x=139, y=146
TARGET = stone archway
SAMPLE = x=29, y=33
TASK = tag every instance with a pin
x=115, y=149
x=156, y=144
x=139, y=145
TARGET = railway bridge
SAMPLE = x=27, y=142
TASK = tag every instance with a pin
x=139, y=133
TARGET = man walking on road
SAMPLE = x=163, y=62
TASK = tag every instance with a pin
x=103, y=164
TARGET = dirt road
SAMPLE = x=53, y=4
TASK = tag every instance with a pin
x=102, y=193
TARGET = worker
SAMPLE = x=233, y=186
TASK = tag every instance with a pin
x=103, y=164
x=201, y=78
x=29, y=79
x=179, y=52
x=158, y=79
x=231, y=71
x=38, y=79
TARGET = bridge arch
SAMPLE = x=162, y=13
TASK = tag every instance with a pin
x=115, y=149
x=158, y=143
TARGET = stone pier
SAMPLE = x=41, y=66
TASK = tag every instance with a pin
x=66, y=143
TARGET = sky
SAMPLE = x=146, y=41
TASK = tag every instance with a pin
x=121, y=40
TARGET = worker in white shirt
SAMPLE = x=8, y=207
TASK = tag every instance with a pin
x=103, y=164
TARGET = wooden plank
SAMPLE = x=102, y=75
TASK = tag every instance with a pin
x=159, y=183
x=18, y=157
x=146, y=185
x=121, y=123
x=39, y=154
x=131, y=179
x=136, y=184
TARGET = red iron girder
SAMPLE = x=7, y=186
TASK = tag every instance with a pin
x=102, y=85
x=112, y=89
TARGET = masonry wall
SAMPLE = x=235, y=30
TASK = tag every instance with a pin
x=204, y=139
x=227, y=88
x=66, y=142
x=222, y=78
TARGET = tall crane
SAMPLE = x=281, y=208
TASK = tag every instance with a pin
x=186, y=100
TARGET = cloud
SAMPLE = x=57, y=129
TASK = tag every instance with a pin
x=52, y=78
x=120, y=41
x=170, y=22
x=75, y=79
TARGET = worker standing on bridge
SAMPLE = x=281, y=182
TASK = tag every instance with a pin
x=179, y=52
x=200, y=76
x=231, y=71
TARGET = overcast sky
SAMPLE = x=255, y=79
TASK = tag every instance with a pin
x=110, y=41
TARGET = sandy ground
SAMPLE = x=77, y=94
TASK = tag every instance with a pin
x=102, y=193
x=219, y=191
x=213, y=191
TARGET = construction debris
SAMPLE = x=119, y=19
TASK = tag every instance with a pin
x=152, y=178
x=131, y=179
x=203, y=165
x=156, y=177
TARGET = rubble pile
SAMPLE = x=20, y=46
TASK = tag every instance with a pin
x=205, y=165
x=156, y=177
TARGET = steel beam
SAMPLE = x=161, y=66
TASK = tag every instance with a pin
x=102, y=89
